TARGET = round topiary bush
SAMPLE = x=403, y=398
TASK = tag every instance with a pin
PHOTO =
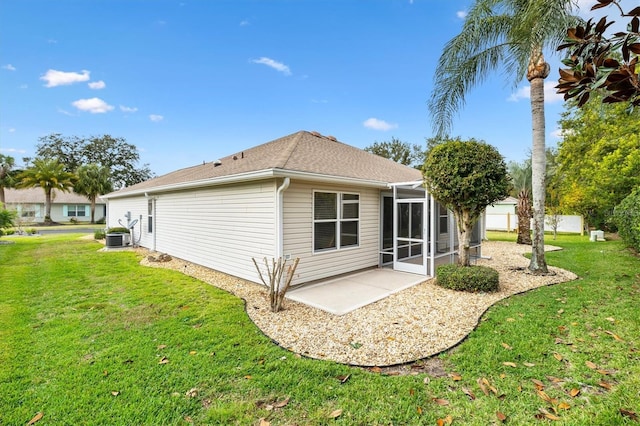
x=474, y=279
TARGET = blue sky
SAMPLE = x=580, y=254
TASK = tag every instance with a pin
x=192, y=81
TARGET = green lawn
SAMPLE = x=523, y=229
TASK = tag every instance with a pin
x=90, y=338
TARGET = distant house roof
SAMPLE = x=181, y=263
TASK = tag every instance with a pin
x=36, y=196
x=508, y=200
x=302, y=154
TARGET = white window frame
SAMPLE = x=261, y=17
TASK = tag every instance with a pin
x=340, y=201
x=67, y=210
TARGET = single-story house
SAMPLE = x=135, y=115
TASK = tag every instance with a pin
x=502, y=215
x=336, y=207
x=29, y=203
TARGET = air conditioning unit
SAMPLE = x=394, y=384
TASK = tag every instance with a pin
x=118, y=240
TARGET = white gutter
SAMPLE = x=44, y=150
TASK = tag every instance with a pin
x=280, y=217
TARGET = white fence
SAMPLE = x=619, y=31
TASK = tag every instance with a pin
x=509, y=222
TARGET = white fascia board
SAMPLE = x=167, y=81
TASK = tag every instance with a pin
x=241, y=177
x=340, y=180
x=251, y=176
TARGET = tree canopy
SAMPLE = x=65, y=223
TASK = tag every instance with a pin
x=466, y=177
x=115, y=153
x=599, y=158
x=7, y=179
x=398, y=151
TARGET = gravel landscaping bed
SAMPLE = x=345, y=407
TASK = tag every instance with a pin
x=415, y=323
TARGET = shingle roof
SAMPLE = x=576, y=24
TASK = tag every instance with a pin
x=307, y=152
x=36, y=196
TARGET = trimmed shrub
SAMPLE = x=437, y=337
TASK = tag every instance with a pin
x=117, y=230
x=99, y=234
x=473, y=279
x=626, y=216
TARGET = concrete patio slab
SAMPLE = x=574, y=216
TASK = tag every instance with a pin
x=350, y=292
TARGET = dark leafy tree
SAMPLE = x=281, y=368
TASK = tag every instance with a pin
x=597, y=61
x=92, y=181
x=466, y=177
x=398, y=151
x=120, y=157
x=7, y=180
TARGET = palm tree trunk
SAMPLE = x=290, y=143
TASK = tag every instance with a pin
x=538, y=71
x=2, y=197
x=524, y=218
x=93, y=209
x=47, y=205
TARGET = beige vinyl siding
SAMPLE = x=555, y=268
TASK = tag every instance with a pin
x=298, y=233
x=221, y=227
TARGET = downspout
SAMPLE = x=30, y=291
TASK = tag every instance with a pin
x=280, y=217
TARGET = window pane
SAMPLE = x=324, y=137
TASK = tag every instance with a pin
x=350, y=211
x=416, y=220
x=324, y=235
x=346, y=197
x=403, y=220
x=348, y=233
x=81, y=211
x=150, y=208
x=325, y=205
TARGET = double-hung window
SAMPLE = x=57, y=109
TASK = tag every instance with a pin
x=150, y=216
x=78, y=210
x=336, y=217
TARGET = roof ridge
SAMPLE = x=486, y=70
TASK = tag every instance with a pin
x=286, y=155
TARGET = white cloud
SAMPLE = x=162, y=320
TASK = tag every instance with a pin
x=375, y=124
x=97, y=85
x=65, y=112
x=461, y=14
x=14, y=150
x=156, y=118
x=128, y=109
x=92, y=105
x=23, y=86
x=12, y=130
x=9, y=67
x=244, y=23
x=60, y=78
x=550, y=93
x=278, y=66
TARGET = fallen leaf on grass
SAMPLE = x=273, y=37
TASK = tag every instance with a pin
x=563, y=406
x=510, y=364
x=161, y=347
x=163, y=360
x=545, y=397
x=446, y=421
x=192, y=393
x=507, y=347
x=611, y=319
x=555, y=379
x=455, y=377
x=615, y=336
x=335, y=414
x=115, y=393
x=528, y=364
x=440, y=401
x=591, y=365
x=501, y=416
x=343, y=378
x=375, y=369
x=539, y=385
x=628, y=413
x=282, y=403
x=557, y=356
x=574, y=392
x=248, y=377
x=468, y=392
x=35, y=418
x=561, y=311
x=192, y=352
x=264, y=422
x=605, y=385
x=419, y=410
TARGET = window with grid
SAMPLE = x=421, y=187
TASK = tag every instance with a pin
x=78, y=210
x=336, y=218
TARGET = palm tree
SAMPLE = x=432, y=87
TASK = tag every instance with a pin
x=520, y=174
x=93, y=180
x=48, y=174
x=7, y=163
x=508, y=35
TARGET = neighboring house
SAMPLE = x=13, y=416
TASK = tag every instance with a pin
x=337, y=208
x=29, y=203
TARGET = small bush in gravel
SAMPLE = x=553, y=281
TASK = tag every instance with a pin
x=474, y=279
